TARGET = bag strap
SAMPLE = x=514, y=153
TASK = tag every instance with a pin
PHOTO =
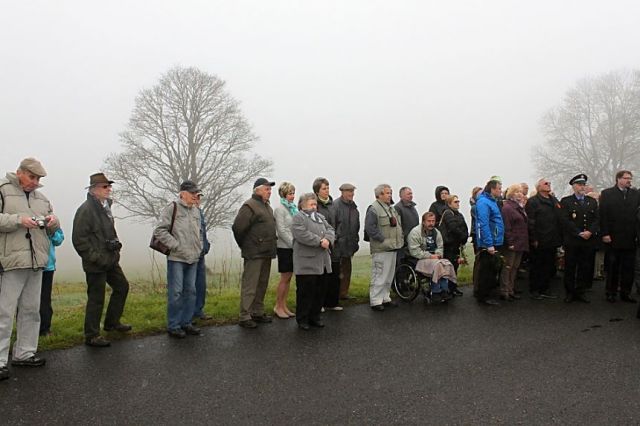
x=173, y=217
x=442, y=217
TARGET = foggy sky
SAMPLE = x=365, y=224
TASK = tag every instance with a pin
x=413, y=93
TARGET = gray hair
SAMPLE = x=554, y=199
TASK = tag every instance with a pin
x=306, y=197
x=378, y=190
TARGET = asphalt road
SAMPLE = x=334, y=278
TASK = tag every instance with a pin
x=526, y=362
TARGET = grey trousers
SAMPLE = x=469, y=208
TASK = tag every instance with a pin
x=19, y=291
x=383, y=269
x=255, y=280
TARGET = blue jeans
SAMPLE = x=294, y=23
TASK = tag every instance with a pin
x=201, y=288
x=440, y=286
x=181, y=293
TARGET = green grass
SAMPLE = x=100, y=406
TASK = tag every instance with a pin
x=146, y=305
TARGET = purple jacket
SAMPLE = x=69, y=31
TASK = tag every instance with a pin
x=516, y=232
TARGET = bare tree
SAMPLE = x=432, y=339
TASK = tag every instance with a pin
x=185, y=127
x=596, y=130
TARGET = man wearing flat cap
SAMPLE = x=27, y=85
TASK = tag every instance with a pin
x=96, y=241
x=254, y=229
x=618, y=206
x=580, y=226
x=347, y=235
x=26, y=221
x=179, y=228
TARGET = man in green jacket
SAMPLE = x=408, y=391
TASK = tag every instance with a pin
x=254, y=229
x=96, y=241
x=26, y=221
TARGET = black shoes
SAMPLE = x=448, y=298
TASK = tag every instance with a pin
x=457, y=292
x=178, y=333
x=192, y=330
x=304, y=326
x=627, y=298
x=611, y=298
x=248, y=324
x=390, y=304
x=263, y=319
x=32, y=361
x=317, y=323
x=97, y=342
x=122, y=328
x=378, y=308
x=4, y=373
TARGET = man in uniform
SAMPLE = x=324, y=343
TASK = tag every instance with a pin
x=580, y=225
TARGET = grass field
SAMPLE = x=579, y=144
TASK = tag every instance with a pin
x=146, y=304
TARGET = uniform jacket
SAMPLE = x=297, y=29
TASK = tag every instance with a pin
x=185, y=240
x=309, y=258
x=577, y=217
x=489, y=224
x=348, y=228
x=417, y=243
x=544, y=221
x=16, y=251
x=516, y=230
x=617, y=216
x=93, y=228
x=254, y=229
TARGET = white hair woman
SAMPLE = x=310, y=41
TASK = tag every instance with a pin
x=284, y=214
x=516, y=240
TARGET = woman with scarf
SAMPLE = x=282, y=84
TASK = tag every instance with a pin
x=284, y=218
x=312, y=237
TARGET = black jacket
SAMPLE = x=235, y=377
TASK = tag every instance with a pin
x=409, y=217
x=329, y=212
x=454, y=229
x=348, y=227
x=94, y=236
x=544, y=221
x=438, y=206
x=617, y=216
x=577, y=217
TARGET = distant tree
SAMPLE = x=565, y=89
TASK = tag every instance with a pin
x=185, y=127
x=595, y=130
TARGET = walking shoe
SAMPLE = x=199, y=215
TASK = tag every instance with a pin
x=627, y=298
x=178, y=333
x=535, y=295
x=192, y=330
x=304, y=326
x=390, y=304
x=248, y=324
x=263, y=319
x=4, y=373
x=436, y=297
x=32, y=361
x=378, y=308
x=122, y=328
x=317, y=323
x=97, y=342
x=335, y=308
x=547, y=295
x=457, y=292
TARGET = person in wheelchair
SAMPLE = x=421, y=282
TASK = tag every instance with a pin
x=426, y=246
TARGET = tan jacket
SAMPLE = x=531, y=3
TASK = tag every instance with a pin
x=185, y=240
x=16, y=251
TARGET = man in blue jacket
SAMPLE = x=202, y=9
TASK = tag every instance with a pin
x=489, y=238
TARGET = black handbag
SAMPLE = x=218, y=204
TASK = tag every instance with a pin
x=158, y=245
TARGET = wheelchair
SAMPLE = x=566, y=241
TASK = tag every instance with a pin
x=408, y=283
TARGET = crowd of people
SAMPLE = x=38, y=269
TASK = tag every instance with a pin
x=315, y=239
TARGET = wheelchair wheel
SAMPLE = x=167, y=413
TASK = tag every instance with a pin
x=406, y=283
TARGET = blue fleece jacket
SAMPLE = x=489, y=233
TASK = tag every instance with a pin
x=489, y=225
x=56, y=239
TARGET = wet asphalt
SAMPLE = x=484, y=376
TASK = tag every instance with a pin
x=525, y=362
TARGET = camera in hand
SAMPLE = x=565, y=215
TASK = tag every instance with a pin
x=41, y=221
x=114, y=245
x=393, y=222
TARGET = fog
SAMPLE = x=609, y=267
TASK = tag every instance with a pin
x=414, y=93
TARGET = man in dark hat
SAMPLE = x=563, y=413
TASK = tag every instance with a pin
x=96, y=241
x=24, y=212
x=618, y=207
x=254, y=229
x=580, y=226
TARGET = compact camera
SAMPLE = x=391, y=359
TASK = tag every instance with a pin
x=114, y=245
x=41, y=221
x=393, y=222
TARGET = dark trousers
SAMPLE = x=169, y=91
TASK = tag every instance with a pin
x=488, y=270
x=542, y=268
x=345, y=276
x=310, y=293
x=452, y=254
x=332, y=292
x=578, y=269
x=620, y=264
x=95, y=299
x=46, y=311
x=201, y=287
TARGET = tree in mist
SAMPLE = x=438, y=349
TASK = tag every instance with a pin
x=595, y=130
x=185, y=127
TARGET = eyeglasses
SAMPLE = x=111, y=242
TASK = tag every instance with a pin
x=105, y=186
x=457, y=201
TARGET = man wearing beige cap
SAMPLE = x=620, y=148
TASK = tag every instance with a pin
x=348, y=228
x=96, y=241
x=26, y=221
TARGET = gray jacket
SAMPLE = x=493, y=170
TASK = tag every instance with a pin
x=409, y=215
x=185, y=240
x=347, y=228
x=308, y=257
x=283, y=227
